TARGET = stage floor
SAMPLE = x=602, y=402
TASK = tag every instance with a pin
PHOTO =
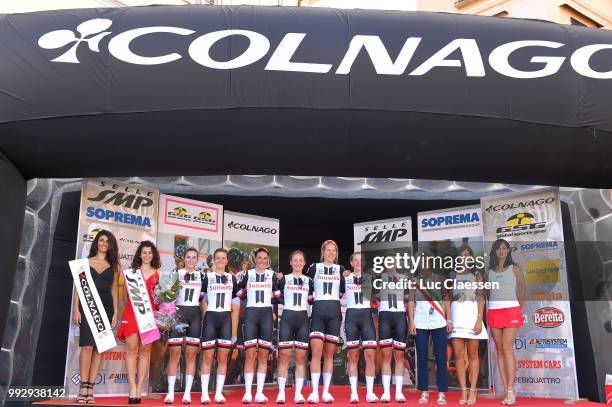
x=340, y=393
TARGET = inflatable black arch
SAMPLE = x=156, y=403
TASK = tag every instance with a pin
x=207, y=90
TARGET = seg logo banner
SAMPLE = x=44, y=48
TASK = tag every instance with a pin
x=520, y=224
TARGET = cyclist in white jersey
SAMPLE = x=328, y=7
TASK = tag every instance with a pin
x=220, y=287
x=504, y=311
x=188, y=303
x=297, y=293
x=326, y=318
x=392, y=331
x=260, y=286
x=359, y=327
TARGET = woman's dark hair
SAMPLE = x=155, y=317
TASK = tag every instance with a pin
x=191, y=249
x=222, y=250
x=259, y=250
x=471, y=253
x=112, y=255
x=493, y=260
x=137, y=260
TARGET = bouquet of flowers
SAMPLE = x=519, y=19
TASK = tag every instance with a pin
x=164, y=295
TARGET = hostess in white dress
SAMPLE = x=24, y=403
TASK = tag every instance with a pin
x=464, y=310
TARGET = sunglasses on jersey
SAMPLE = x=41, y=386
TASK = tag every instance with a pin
x=299, y=281
x=357, y=280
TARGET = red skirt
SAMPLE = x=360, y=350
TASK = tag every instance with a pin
x=505, y=317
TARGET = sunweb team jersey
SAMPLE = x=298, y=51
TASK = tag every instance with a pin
x=258, y=288
x=191, y=288
x=220, y=289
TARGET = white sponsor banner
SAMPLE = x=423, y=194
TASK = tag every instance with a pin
x=240, y=227
x=93, y=309
x=190, y=217
x=447, y=230
x=130, y=213
x=387, y=231
x=531, y=223
x=455, y=223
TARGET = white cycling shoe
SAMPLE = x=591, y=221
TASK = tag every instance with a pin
x=261, y=399
x=354, y=398
x=204, y=398
x=247, y=399
x=299, y=399
x=186, y=398
x=385, y=398
x=313, y=398
x=219, y=399
x=169, y=399
x=280, y=399
x=371, y=398
x=327, y=398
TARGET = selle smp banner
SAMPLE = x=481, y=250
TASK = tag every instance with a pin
x=135, y=285
x=386, y=233
x=93, y=309
x=130, y=213
x=531, y=223
x=302, y=58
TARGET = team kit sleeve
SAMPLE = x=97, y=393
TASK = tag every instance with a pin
x=276, y=292
x=310, y=290
x=234, y=287
x=312, y=270
x=242, y=292
x=204, y=278
x=342, y=282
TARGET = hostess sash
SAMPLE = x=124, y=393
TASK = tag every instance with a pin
x=136, y=288
x=92, y=306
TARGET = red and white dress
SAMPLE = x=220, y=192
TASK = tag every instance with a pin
x=129, y=326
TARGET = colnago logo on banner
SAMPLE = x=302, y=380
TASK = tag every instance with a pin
x=240, y=227
x=531, y=223
x=91, y=35
x=392, y=232
x=122, y=204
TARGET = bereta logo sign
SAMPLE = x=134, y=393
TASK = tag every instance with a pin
x=548, y=317
x=120, y=46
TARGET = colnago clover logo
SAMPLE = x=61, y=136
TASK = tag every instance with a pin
x=60, y=38
x=470, y=58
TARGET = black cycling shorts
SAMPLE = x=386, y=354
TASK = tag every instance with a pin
x=192, y=316
x=325, y=321
x=217, y=330
x=358, y=326
x=392, y=329
x=293, y=330
x=258, y=327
